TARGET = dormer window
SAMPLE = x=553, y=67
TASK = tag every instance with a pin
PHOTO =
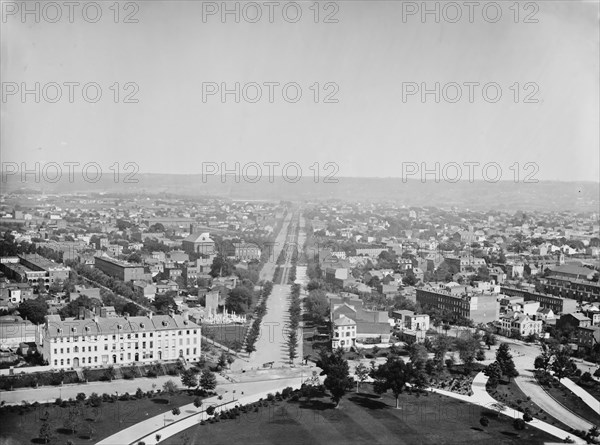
x=73, y=329
x=87, y=329
x=142, y=325
x=119, y=327
x=59, y=330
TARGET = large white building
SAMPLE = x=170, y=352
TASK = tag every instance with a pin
x=344, y=333
x=98, y=342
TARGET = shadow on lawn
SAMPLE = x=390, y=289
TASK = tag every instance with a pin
x=316, y=405
x=368, y=401
x=161, y=401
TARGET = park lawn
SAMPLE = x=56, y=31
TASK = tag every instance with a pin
x=573, y=402
x=363, y=419
x=510, y=394
x=22, y=425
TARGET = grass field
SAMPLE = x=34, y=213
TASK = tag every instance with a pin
x=363, y=419
x=23, y=425
x=230, y=335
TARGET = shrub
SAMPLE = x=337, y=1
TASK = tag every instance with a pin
x=151, y=373
x=95, y=400
x=58, y=401
x=139, y=393
x=519, y=424
x=80, y=397
x=484, y=421
x=210, y=410
x=271, y=397
x=286, y=392
x=527, y=417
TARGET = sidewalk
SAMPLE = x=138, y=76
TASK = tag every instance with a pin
x=589, y=400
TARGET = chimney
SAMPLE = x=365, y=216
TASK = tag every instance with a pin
x=81, y=314
x=126, y=315
x=171, y=313
x=150, y=315
x=186, y=315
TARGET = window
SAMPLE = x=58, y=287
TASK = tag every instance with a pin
x=68, y=350
x=61, y=350
x=62, y=362
x=55, y=362
x=95, y=359
x=106, y=347
x=187, y=332
x=151, y=344
x=68, y=361
x=187, y=341
x=194, y=351
x=55, y=351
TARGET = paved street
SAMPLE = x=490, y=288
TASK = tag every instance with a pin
x=51, y=393
x=524, y=356
x=271, y=345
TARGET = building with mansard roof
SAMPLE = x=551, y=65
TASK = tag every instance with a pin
x=102, y=341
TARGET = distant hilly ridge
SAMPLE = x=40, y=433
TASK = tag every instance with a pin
x=503, y=195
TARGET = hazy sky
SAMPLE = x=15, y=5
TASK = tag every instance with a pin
x=371, y=54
